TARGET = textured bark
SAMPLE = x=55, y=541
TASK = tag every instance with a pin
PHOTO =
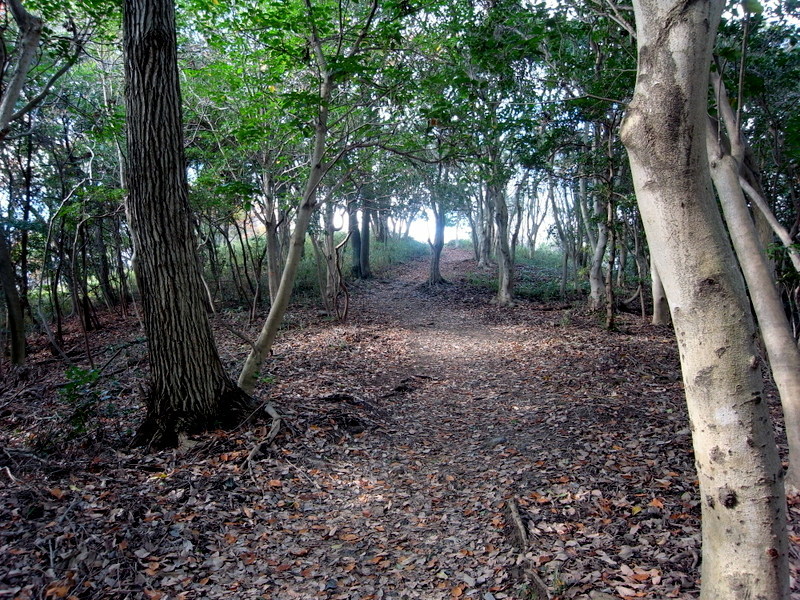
x=190, y=390
x=505, y=262
x=740, y=476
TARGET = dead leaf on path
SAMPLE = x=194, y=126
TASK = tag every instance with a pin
x=57, y=590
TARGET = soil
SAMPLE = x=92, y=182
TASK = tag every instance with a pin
x=433, y=446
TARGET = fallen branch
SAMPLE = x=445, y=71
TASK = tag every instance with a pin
x=271, y=435
x=519, y=526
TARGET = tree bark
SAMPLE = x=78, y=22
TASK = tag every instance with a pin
x=366, y=217
x=660, y=304
x=437, y=245
x=189, y=389
x=30, y=29
x=609, y=282
x=743, y=506
x=596, y=277
x=780, y=230
x=355, y=239
x=505, y=262
x=784, y=356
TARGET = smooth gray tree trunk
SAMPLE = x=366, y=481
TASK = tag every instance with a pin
x=745, y=548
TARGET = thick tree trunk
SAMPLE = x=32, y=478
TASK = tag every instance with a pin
x=190, y=390
x=740, y=476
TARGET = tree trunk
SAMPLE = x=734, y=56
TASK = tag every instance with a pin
x=104, y=267
x=248, y=377
x=355, y=239
x=366, y=216
x=273, y=257
x=271, y=220
x=609, y=283
x=784, y=357
x=189, y=389
x=780, y=230
x=486, y=218
x=660, y=305
x=505, y=262
x=16, y=317
x=437, y=245
x=474, y=225
x=30, y=30
x=743, y=506
x=596, y=279
x=124, y=292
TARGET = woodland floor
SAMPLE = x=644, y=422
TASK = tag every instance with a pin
x=414, y=434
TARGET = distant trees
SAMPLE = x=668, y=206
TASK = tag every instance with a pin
x=34, y=61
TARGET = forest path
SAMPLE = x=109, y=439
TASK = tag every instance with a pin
x=482, y=407
x=409, y=432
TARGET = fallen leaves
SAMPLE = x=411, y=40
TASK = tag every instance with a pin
x=406, y=440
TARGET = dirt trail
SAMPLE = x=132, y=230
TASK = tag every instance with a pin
x=488, y=407
x=410, y=433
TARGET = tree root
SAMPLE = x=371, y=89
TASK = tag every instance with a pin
x=166, y=428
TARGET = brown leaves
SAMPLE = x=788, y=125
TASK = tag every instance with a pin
x=411, y=429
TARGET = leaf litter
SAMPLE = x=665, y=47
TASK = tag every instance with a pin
x=435, y=446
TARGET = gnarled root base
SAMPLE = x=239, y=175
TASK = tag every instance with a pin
x=164, y=428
